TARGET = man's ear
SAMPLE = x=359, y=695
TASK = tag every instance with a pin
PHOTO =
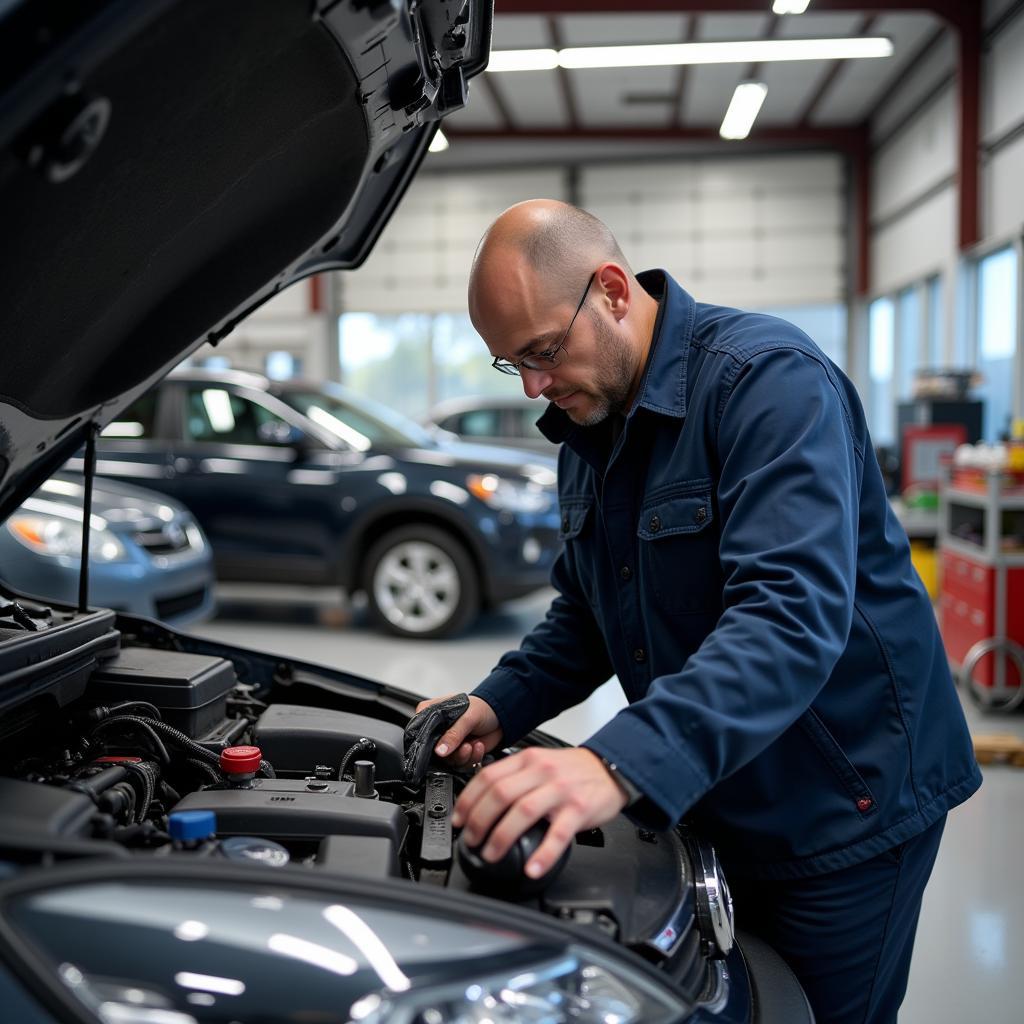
x=614, y=283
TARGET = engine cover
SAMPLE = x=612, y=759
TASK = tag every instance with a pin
x=295, y=739
x=294, y=810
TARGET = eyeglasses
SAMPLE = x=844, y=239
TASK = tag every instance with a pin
x=550, y=357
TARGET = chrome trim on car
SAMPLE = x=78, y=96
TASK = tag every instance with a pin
x=714, y=902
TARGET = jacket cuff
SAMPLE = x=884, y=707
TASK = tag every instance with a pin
x=504, y=692
x=643, y=756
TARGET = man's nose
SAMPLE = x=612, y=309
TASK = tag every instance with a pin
x=535, y=382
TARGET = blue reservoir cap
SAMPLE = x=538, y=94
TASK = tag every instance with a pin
x=189, y=825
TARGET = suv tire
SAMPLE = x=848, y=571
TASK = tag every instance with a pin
x=421, y=583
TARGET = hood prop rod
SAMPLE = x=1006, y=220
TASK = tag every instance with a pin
x=90, y=472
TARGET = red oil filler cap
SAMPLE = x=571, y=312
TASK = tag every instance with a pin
x=240, y=761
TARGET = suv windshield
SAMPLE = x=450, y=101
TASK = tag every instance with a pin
x=359, y=422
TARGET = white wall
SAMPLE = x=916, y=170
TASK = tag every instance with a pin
x=421, y=261
x=913, y=190
x=759, y=232
x=1003, y=171
x=916, y=245
x=763, y=231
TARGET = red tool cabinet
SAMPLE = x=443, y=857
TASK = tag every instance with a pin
x=981, y=590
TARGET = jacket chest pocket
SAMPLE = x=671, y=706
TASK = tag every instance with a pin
x=576, y=530
x=679, y=549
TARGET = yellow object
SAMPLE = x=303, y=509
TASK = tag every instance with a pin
x=926, y=563
x=1015, y=454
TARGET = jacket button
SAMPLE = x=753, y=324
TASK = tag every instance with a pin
x=701, y=514
x=639, y=655
x=864, y=804
x=655, y=524
x=626, y=573
x=565, y=524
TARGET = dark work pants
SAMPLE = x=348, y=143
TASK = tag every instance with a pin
x=848, y=935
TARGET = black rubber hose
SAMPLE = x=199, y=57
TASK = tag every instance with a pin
x=121, y=801
x=179, y=739
x=93, y=785
x=148, y=773
x=145, y=725
x=175, y=736
x=363, y=745
x=205, y=768
x=188, y=744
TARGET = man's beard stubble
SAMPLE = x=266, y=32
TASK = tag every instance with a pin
x=613, y=376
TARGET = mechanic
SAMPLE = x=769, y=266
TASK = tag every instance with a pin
x=731, y=556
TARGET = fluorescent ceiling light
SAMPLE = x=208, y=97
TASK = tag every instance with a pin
x=674, y=54
x=523, y=60
x=746, y=102
x=439, y=143
x=790, y=6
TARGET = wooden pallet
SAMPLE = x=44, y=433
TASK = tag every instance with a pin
x=999, y=747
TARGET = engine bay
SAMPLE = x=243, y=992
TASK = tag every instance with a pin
x=169, y=746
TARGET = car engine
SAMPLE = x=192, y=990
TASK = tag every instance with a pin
x=168, y=746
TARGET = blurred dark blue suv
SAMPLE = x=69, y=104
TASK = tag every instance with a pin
x=309, y=483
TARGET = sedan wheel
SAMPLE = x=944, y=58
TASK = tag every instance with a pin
x=420, y=582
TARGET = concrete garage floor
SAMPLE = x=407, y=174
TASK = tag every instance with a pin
x=970, y=944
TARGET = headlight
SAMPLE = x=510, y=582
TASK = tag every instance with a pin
x=509, y=495
x=185, y=949
x=581, y=987
x=54, y=535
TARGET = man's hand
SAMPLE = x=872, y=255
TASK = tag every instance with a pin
x=571, y=788
x=473, y=734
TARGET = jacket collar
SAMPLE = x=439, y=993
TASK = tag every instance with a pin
x=663, y=387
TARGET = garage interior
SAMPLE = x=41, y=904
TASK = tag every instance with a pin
x=875, y=202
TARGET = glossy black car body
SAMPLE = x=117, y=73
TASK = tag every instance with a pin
x=301, y=482
x=166, y=167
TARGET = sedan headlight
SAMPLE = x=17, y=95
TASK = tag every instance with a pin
x=581, y=987
x=508, y=495
x=188, y=950
x=54, y=535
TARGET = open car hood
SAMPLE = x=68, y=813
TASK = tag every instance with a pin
x=168, y=165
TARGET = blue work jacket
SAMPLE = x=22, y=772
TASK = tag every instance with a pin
x=731, y=556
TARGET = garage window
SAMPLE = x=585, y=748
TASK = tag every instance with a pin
x=997, y=338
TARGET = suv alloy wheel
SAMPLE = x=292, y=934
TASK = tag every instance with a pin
x=420, y=582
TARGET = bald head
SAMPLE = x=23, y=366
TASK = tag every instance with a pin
x=555, y=244
x=551, y=294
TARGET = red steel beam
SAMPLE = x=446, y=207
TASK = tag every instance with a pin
x=969, y=74
x=859, y=156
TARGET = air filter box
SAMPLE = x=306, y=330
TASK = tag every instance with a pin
x=189, y=689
